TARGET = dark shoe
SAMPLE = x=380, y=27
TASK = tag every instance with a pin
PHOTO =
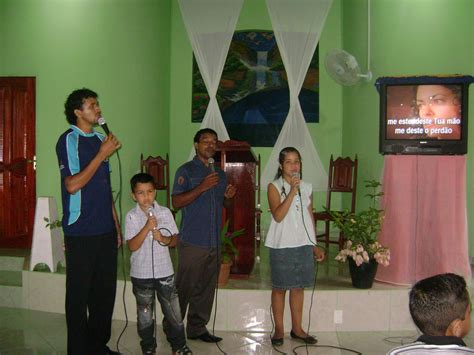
x=184, y=350
x=207, y=338
x=111, y=352
x=277, y=341
x=308, y=339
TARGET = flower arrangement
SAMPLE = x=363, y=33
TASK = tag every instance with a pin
x=361, y=230
x=227, y=244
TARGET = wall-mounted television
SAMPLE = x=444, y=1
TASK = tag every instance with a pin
x=423, y=114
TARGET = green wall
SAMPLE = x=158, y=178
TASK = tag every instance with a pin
x=118, y=48
x=136, y=55
x=409, y=37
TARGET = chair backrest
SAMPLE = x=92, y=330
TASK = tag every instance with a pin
x=342, y=178
x=159, y=169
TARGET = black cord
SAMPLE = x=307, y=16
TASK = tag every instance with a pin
x=153, y=283
x=169, y=238
x=400, y=340
x=325, y=346
x=273, y=327
x=307, y=346
x=217, y=272
x=315, y=274
x=119, y=198
x=153, y=275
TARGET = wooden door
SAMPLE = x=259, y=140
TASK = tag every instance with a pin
x=17, y=155
x=239, y=163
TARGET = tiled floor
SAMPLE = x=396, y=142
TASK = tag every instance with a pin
x=33, y=332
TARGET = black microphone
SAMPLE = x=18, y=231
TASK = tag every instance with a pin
x=101, y=122
x=296, y=174
x=210, y=161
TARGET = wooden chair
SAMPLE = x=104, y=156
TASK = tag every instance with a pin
x=342, y=179
x=159, y=169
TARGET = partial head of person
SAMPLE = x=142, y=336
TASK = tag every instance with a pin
x=438, y=101
x=143, y=190
x=290, y=164
x=82, y=105
x=205, y=143
x=440, y=306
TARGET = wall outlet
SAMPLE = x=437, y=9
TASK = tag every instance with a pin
x=338, y=316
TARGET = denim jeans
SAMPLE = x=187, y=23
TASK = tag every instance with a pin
x=144, y=291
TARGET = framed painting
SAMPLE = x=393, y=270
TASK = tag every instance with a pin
x=253, y=91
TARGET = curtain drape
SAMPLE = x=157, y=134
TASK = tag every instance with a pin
x=210, y=25
x=297, y=25
x=425, y=223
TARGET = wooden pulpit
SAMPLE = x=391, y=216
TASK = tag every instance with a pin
x=241, y=167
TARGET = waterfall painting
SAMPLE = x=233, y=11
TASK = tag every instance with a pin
x=253, y=91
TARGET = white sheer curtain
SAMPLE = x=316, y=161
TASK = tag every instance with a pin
x=297, y=25
x=210, y=25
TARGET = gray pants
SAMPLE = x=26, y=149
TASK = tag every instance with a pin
x=144, y=291
x=196, y=282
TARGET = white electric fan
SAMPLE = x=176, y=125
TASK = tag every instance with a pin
x=343, y=67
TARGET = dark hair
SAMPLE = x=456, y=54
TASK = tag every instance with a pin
x=201, y=132
x=141, y=178
x=437, y=301
x=74, y=102
x=281, y=159
x=455, y=89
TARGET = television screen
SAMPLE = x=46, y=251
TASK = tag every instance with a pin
x=423, y=115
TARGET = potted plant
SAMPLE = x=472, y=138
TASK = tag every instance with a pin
x=228, y=250
x=361, y=249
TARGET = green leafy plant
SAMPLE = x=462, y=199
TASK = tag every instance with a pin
x=52, y=224
x=361, y=230
x=227, y=245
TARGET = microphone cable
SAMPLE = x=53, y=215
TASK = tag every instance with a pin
x=315, y=275
x=306, y=346
x=119, y=199
x=218, y=251
x=153, y=276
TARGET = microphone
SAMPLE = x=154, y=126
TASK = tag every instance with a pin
x=297, y=174
x=101, y=122
x=210, y=161
x=150, y=214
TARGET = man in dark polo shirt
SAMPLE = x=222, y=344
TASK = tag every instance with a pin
x=91, y=231
x=201, y=191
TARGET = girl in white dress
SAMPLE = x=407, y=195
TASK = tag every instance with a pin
x=292, y=242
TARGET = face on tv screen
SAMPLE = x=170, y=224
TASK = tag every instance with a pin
x=428, y=112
